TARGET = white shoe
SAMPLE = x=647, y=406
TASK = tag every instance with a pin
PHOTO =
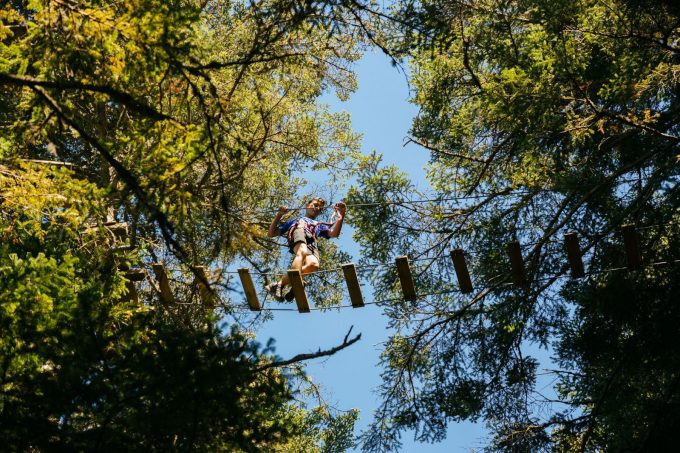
x=275, y=290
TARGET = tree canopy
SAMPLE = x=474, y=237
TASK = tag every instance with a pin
x=183, y=122
x=187, y=122
x=185, y=110
x=540, y=118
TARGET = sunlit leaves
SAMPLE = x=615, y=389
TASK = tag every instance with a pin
x=187, y=121
x=235, y=82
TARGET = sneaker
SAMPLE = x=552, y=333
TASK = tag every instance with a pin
x=290, y=295
x=275, y=290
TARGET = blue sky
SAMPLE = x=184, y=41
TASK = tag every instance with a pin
x=381, y=112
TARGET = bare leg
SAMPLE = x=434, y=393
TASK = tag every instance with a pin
x=311, y=265
x=299, y=262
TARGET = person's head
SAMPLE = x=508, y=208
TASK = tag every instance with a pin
x=315, y=206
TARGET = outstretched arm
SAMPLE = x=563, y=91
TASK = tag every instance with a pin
x=275, y=223
x=337, y=226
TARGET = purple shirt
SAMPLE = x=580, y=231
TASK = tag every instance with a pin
x=311, y=226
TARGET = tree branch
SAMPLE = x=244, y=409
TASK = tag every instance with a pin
x=313, y=355
x=437, y=150
x=130, y=180
x=214, y=64
x=117, y=95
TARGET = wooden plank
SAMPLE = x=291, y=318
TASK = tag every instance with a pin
x=204, y=290
x=121, y=248
x=461, y=271
x=132, y=276
x=249, y=289
x=631, y=242
x=131, y=292
x=163, y=283
x=118, y=229
x=135, y=275
x=295, y=278
x=406, y=279
x=51, y=162
x=574, y=255
x=350, y=272
x=519, y=276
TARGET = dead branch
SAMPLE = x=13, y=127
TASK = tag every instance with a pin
x=313, y=355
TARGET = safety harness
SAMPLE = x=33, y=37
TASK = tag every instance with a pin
x=310, y=229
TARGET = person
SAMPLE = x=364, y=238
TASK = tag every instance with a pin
x=302, y=233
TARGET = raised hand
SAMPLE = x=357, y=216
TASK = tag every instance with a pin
x=341, y=207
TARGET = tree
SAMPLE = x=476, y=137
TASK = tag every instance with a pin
x=85, y=367
x=178, y=127
x=540, y=118
x=186, y=121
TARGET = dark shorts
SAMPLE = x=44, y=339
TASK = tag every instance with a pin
x=300, y=235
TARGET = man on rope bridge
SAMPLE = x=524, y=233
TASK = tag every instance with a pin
x=302, y=233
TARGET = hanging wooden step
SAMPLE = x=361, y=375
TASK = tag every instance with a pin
x=118, y=229
x=249, y=289
x=163, y=283
x=131, y=276
x=631, y=241
x=131, y=294
x=121, y=248
x=519, y=276
x=350, y=272
x=406, y=279
x=295, y=278
x=574, y=255
x=135, y=275
x=204, y=291
x=460, y=266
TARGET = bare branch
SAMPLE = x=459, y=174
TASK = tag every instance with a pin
x=434, y=149
x=314, y=355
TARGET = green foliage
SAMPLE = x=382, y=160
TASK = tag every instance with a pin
x=620, y=342
x=324, y=432
x=540, y=118
x=188, y=121
x=196, y=115
x=85, y=367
